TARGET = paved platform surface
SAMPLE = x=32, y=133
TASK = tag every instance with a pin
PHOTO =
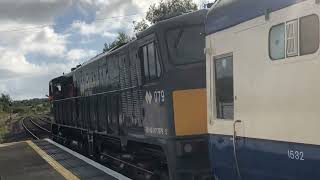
x=45, y=159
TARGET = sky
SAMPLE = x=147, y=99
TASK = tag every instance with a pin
x=42, y=39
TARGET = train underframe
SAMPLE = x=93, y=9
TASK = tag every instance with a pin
x=141, y=159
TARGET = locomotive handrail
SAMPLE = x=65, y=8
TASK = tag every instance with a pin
x=108, y=92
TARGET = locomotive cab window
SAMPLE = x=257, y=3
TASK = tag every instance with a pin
x=294, y=38
x=185, y=45
x=151, y=68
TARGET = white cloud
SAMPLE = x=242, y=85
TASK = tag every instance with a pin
x=20, y=35
x=15, y=62
x=22, y=79
x=45, y=42
x=79, y=54
x=113, y=16
x=84, y=28
x=32, y=85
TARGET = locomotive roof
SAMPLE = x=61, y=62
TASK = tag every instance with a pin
x=197, y=17
x=228, y=13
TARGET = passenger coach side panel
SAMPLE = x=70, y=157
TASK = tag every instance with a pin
x=284, y=93
x=276, y=96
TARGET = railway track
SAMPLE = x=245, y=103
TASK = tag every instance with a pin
x=34, y=129
x=45, y=119
x=39, y=128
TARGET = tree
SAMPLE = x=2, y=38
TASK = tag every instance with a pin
x=140, y=26
x=121, y=39
x=5, y=102
x=168, y=9
x=164, y=10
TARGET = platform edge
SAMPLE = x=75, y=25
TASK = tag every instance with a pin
x=91, y=162
x=57, y=166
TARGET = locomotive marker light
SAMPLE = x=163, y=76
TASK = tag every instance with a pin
x=187, y=148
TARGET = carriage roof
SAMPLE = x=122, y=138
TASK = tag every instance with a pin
x=228, y=13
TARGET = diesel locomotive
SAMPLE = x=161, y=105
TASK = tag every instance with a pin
x=141, y=107
x=263, y=74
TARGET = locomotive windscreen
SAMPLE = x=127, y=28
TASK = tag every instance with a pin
x=186, y=44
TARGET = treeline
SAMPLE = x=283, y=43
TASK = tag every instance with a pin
x=36, y=105
x=31, y=106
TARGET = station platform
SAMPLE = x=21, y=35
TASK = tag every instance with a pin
x=45, y=159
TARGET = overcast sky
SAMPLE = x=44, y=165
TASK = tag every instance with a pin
x=41, y=39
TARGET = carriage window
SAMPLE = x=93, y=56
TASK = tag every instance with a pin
x=309, y=34
x=151, y=63
x=185, y=45
x=293, y=38
x=224, y=87
x=277, y=43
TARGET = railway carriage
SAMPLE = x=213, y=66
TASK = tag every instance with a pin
x=263, y=75
x=141, y=107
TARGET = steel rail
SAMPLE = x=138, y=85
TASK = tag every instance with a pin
x=40, y=127
x=43, y=120
x=28, y=130
x=33, y=134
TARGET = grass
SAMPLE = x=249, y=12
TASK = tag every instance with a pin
x=3, y=126
x=3, y=132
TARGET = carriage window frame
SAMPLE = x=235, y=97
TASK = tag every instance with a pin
x=299, y=45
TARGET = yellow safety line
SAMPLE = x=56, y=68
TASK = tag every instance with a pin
x=10, y=144
x=57, y=166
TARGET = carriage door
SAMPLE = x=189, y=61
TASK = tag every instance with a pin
x=225, y=103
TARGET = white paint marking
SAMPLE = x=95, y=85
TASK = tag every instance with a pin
x=91, y=162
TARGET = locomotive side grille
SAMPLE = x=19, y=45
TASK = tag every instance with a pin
x=137, y=93
x=131, y=100
x=124, y=84
x=131, y=105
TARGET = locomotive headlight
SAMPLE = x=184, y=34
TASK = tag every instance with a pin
x=187, y=148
